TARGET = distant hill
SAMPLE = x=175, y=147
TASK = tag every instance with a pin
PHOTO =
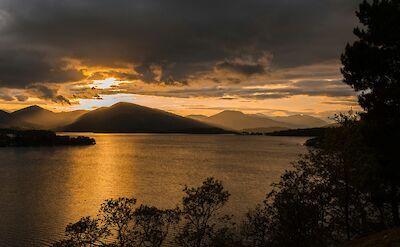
x=302, y=121
x=5, y=119
x=127, y=117
x=45, y=119
x=4, y=115
x=236, y=120
x=201, y=118
x=240, y=121
x=265, y=130
x=8, y=121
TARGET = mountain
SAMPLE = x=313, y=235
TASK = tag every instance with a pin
x=302, y=121
x=5, y=119
x=45, y=119
x=8, y=121
x=265, y=130
x=237, y=120
x=201, y=118
x=4, y=115
x=127, y=117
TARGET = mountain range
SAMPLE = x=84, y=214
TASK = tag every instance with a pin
x=45, y=119
x=239, y=121
x=128, y=117
x=120, y=117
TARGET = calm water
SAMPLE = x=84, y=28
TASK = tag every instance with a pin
x=43, y=189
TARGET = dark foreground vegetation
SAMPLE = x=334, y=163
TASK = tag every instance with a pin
x=346, y=188
x=26, y=138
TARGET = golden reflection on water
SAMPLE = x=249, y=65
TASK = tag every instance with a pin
x=99, y=173
x=43, y=189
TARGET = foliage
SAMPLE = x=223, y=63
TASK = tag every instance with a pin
x=117, y=214
x=85, y=232
x=371, y=65
x=121, y=223
x=200, y=208
x=152, y=226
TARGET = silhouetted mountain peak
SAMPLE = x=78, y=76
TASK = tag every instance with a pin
x=41, y=118
x=125, y=106
x=4, y=112
x=33, y=109
x=129, y=117
x=302, y=120
x=7, y=120
x=230, y=113
x=238, y=120
x=4, y=115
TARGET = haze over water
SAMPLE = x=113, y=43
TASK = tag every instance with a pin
x=44, y=189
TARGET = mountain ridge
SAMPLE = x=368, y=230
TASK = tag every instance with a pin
x=45, y=119
x=240, y=121
x=127, y=117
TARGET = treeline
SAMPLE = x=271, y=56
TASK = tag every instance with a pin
x=308, y=132
x=27, y=138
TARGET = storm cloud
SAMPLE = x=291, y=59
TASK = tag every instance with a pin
x=182, y=38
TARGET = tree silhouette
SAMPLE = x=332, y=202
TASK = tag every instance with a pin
x=371, y=65
x=121, y=223
x=85, y=232
x=200, y=208
x=117, y=214
x=151, y=226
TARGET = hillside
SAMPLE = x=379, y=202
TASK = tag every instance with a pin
x=45, y=119
x=8, y=121
x=265, y=130
x=301, y=121
x=240, y=121
x=236, y=120
x=4, y=116
x=127, y=117
x=5, y=119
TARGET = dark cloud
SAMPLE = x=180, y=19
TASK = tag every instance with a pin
x=6, y=97
x=44, y=92
x=183, y=38
x=308, y=88
x=21, y=67
x=246, y=69
x=334, y=89
x=21, y=97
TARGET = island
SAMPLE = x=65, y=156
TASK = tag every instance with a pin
x=28, y=138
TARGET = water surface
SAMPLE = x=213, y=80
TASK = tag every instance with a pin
x=43, y=189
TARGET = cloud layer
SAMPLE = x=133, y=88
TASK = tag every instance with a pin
x=176, y=43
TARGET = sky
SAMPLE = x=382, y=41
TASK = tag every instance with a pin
x=188, y=57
